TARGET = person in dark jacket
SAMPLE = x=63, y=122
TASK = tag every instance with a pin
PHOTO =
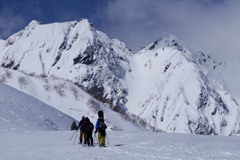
x=89, y=130
x=74, y=126
x=82, y=132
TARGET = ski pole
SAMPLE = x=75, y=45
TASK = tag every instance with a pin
x=107, y=139
x=72, y=135
x=95, y=137
x=75, y=138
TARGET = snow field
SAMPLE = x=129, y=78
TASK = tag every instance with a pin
x=56, y=145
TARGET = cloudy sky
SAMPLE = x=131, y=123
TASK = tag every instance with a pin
x=212, y=26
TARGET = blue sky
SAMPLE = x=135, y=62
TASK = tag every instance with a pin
x=210, y=25
x=15, y=14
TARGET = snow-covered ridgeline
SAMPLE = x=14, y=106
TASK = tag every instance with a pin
x=179, y=92
x=74, y=51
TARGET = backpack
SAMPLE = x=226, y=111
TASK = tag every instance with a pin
x=89, y=127
x=74, y=126
x=84, y=126
x=102, y=128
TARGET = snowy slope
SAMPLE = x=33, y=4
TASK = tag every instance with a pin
x=21, y=112
x=72, y=50
x=173, y=88
x=65, y=97
x=123, y=145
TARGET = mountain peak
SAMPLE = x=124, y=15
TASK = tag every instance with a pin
x=169, y=41
x=166, y=40
x=180, y=90
x=34, y=23
x=86, y=22
x=168, y=37
x=74, y=50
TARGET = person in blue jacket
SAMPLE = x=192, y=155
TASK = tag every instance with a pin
x=101, y=129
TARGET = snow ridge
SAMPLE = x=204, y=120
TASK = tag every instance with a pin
x=75, y=51
x=179, y=92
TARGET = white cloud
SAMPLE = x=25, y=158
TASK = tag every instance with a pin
x=212, y=26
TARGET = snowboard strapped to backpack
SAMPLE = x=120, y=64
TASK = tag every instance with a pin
x=100, y=114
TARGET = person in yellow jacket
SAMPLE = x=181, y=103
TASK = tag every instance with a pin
x=101, y=129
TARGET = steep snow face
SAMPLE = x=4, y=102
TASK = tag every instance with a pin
x=21, y=112
x=75, y=51
x=171, y=88
x=56, y=92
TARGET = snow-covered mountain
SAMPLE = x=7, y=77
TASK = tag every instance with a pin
x=74, y=51
x=174, y=88
x=165, y=86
